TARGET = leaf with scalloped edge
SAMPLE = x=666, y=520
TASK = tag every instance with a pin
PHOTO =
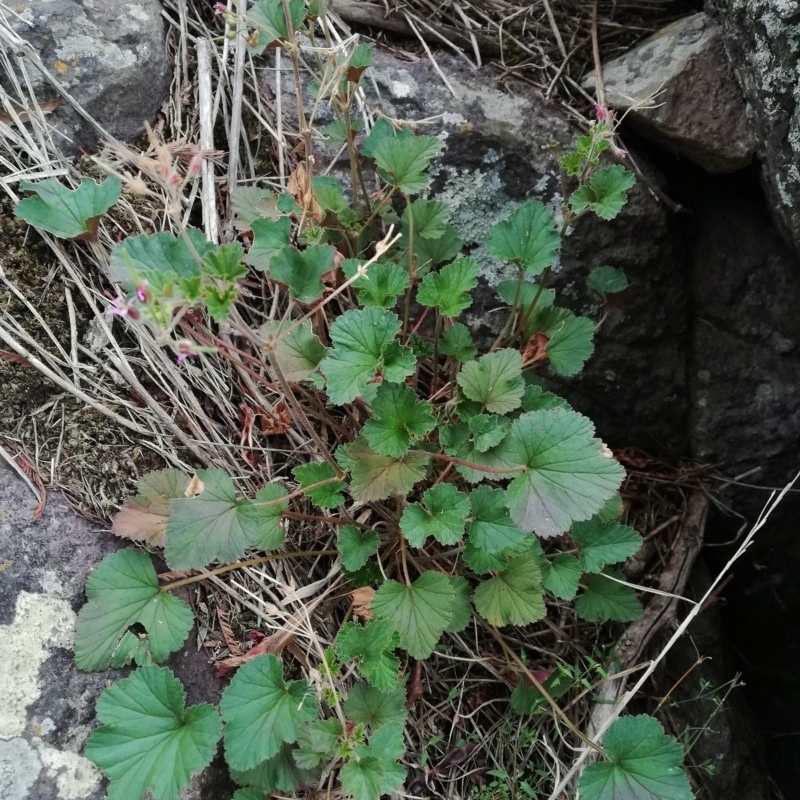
x=606, y=193
x=441, y=514
x=294, y=349
x=449, y=288
x=561, y=575
x=268, y=17
x=604, y=543
x=373, y=645
x=329, y=495
x=514, y=595
x=527, y=238
x=356, y=545
x=148, y=739
x=381, y=286
x=605, y=599
x=457, y=343
x=494, y=380
x=398, y=419
x=373, y=770
x=490, y=527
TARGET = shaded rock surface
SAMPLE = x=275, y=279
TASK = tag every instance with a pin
x=48, y=705
x=678, y=89
x=109, y=56
x=762, y=39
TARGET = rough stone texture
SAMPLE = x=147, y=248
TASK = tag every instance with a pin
x=47, y=708
x=497, y=156
x=108, y=54
x=762, y=39
x=678, y=90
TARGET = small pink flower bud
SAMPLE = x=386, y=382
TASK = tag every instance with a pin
x=142, y=293
x=195, y=165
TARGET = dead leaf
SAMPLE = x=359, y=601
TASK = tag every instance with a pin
x=195, y=487
x=415, y=686
x=362, y=602
x=535, y=350
x=299, y=187
x=22, y=115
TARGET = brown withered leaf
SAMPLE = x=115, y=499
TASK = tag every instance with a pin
x=194, y=487
x=302, y=193
x=45, y=106
x=143, y=517
x=362, y=601
x=535, y=350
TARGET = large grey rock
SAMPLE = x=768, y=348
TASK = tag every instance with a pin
x=47, y=708
x=762, y=39
x=109, y=55
x=677, y=89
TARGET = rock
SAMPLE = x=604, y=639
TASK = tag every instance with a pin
x=677, y=89
x=48, y=705
x=762, y=38
x=109, y=56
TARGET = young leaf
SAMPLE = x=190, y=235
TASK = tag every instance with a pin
x=373, y=645
x=356, y=546
x=604, y=543
x=214, y=525
x=442, y=514
x=122, y=592
x=302, y=271
x=296, y=351
x=644, y=763
x=68, y=213
x=364, y=344
x=495, y=380
x=430, y=253
x=419, y=612
x=607, y=280
x=376, y=477
x=148, y=738
x=398, y=419
x=569, y=474
x=269, y=17
x=606, y=193
x=513, y=596
x=571, y=343
x=491, y=529
x=373, y=771
x=327, y=496
x=561, y=576
x=317, y=743
x=144, y=517
x=488, y=430
x=604, y=599
x=457, y=343
x=381, y=286
x=449, y=289
x=281, y=773
x=262, y=711
x=427, y=218
x=457, y=440
x=528, y=238
x=270, y=237
x=403, y=161
x=366, y=705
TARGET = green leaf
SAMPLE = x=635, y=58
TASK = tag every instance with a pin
x=604, y=543
x=528, y=292
x=367, y=705
x=317, y=743
x=269, y=18
x=427, y=218
x=403, y=161
x=419, y=612
x=491, y=528
x=373, y=771
x=359, y=60
x=250, y=203
x=380, y=131
x=270, y=237
x=570, y=345
x=363, y=345
x=488, y=430
x=457, y=440
x=560, y=576
x=215, y=526
x=356, y=546
x=527, y=699
x=382, y=284
x=644, y=764
x=68, y=213
x=122, y=592
x=327, y=496
x=159, y=258
x=148, y=738
x=528, y=238
x=495, y=380
x=604, y=599
x=462, y=609
x=607, y=280
x=537, y=399
x=262, y=711
x=514, y=595
x=373, y=645
x=398, y=420
x=329, y=194
x=296, y=351
x=281, y=773
x=569, y=473
x=606, y=193
x=442, y=514
x=250, y=794
x=302, y=271
x=457, y=343
x=449, y=289
x=432, y=252
x=481, y=561
x=376, y=477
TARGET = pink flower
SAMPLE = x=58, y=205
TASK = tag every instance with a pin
x=601, y=112
x=122, y=307
x=142, y=293
x=185, y=349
